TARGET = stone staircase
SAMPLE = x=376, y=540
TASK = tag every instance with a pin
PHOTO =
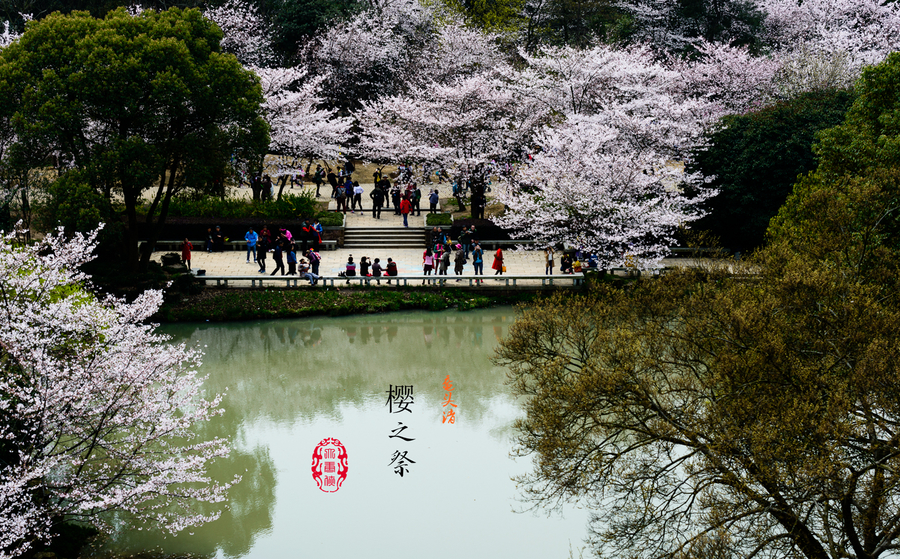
x=384, y=237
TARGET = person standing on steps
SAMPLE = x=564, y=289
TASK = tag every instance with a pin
x=377, y=196
x=404, y=210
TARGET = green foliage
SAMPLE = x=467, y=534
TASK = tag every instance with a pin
x=74, y=205
x=133, y=103
x=755, y=160
x=741, y=410
x=493, y=15
x=846, y=210
x=568, y=22
x=290, y=206
x=710, y=403
x=238, y=304
x=296, y=21
x=331, y=219
x=439, y=219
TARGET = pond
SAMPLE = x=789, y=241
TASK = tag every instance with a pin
x=290, y=384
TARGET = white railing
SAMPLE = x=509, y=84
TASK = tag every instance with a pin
x=446, y=281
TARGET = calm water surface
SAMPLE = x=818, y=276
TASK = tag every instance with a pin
x=292, y=383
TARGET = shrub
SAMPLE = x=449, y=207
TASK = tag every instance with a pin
x=290, y=206
x=439, y=219
x=331, y=219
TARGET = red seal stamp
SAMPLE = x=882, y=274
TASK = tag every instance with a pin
x=329, y=465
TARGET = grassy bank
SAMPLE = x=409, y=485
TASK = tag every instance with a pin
x=246, y=304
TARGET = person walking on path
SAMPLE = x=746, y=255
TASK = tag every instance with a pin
x=459, y=260
x=498, y=262
x=427, y=262
x=445, y=262
x=251, y=237
x=404, y=210
x=292, y=260
x=395, y=198
x=317, y=178
x=348, y=193
x=548, y=260
x=218, y=240
x=314, y=260
x=278, y=256
x=357, y=196
x=332, y=180
x=340, y=195
x=186, y=248
x=464, y=239
x=261, y=247
x=433, y=199
x=377, y=196
x=478, y=260
x=416, y=200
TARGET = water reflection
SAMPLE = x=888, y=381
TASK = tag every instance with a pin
x=291, y=383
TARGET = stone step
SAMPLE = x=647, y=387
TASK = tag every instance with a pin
x=375, y=244
x=378, y=237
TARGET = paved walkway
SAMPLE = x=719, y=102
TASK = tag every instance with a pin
x=409, y=262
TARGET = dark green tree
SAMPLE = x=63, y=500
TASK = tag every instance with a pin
x=755, y=159
x=141, y=106
x=713, y=414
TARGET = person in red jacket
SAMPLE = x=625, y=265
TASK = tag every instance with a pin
x=498, y=262
x=186, y=248
x=404, y=209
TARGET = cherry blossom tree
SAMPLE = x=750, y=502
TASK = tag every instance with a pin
x=730, y=79
x=299, y=129
x=246, y=33
x=372, y=53
x=605, y=169
x=471, y=127
x=867, y=30
x=588, y=187
x=96, y=409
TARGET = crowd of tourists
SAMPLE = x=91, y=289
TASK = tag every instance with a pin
x=404, y=195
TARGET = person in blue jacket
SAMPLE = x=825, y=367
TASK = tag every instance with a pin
x=251, y=237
